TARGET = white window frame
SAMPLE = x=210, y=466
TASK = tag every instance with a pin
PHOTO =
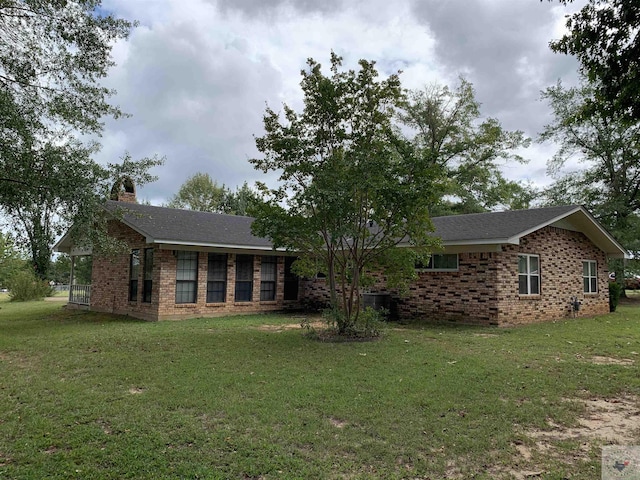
x=186, y=276
x=268, y=278
x=429, y=267
x=529, y=275
x=591, y=279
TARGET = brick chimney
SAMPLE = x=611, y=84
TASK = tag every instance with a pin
x=124, y=191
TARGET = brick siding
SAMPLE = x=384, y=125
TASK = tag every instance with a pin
x=110, y=284
x=561, y=255
x=484, y=289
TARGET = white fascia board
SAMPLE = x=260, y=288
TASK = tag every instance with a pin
x=487, y=245
x=58, y=247
x=80, y=252
x=169, y=244
x=623, y=252
x=544, y=224
x=484, y=241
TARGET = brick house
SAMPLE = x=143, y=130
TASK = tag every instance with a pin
x=508, y=268
x=500, y=268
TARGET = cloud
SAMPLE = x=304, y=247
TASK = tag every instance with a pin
x=271, y=8
x=196, y=75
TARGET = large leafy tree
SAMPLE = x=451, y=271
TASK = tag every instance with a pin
x=243, y=201
x=350, y=187
x=603, y=36
x=453, y=138
x=76, y=188
x=12, y=259
x=201, y=192
x=53, y=55
x=607, y=148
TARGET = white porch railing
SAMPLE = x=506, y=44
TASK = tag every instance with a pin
x=80, y=294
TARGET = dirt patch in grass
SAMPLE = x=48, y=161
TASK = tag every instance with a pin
x=604, y=422
x=317, y=325
x=16, y=360
x=318, y=330
x=336, y=422
x=4, y=459
x=599, y=360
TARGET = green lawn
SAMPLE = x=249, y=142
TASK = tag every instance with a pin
x=93, y=396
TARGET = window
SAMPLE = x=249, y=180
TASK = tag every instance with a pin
x=134, y=270
x=529, y=274
x=244, y=278
x=217, y=278
x=290, y=280
x=147, y=284
x=441, y=262
x=268, y=275
x=186, y=277
x=590, y=276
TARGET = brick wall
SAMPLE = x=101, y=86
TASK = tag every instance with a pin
x=484, y=289
x=561, y=255
x=110, y=278
x=110, y=284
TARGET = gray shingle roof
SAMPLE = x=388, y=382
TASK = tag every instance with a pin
x=496, y=226
x=188, y=227
x=171, y=225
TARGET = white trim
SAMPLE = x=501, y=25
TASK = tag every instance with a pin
x=167, y=245
x=546, y=224
x=529, y=275
x=606, y=233
x=595, y=262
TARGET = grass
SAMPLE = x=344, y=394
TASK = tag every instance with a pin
x=94, y=396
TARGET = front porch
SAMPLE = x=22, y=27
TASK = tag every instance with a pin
x=80, y=279
x=80, y=294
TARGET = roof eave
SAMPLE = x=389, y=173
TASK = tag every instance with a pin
x=593, y=230
x=168, y=244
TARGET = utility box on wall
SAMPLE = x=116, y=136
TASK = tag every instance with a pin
x=377, y=301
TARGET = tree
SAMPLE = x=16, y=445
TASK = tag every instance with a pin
x=243, y=201
x=60, y=271
x=603, y=36
x=200, y=192
x=451, y=137
x=608, y=147
x=12, y=259
x=77, y=188
x=350, y=189
x=53, y=55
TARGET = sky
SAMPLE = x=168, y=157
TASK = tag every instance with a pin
x=197, y=75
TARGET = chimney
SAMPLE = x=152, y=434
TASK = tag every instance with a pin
x=124, y=190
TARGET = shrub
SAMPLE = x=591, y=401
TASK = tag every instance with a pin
x=615, y=290
x=25, y=286
x=369, y=325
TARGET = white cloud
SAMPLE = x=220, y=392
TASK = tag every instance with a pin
x=196, y=74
